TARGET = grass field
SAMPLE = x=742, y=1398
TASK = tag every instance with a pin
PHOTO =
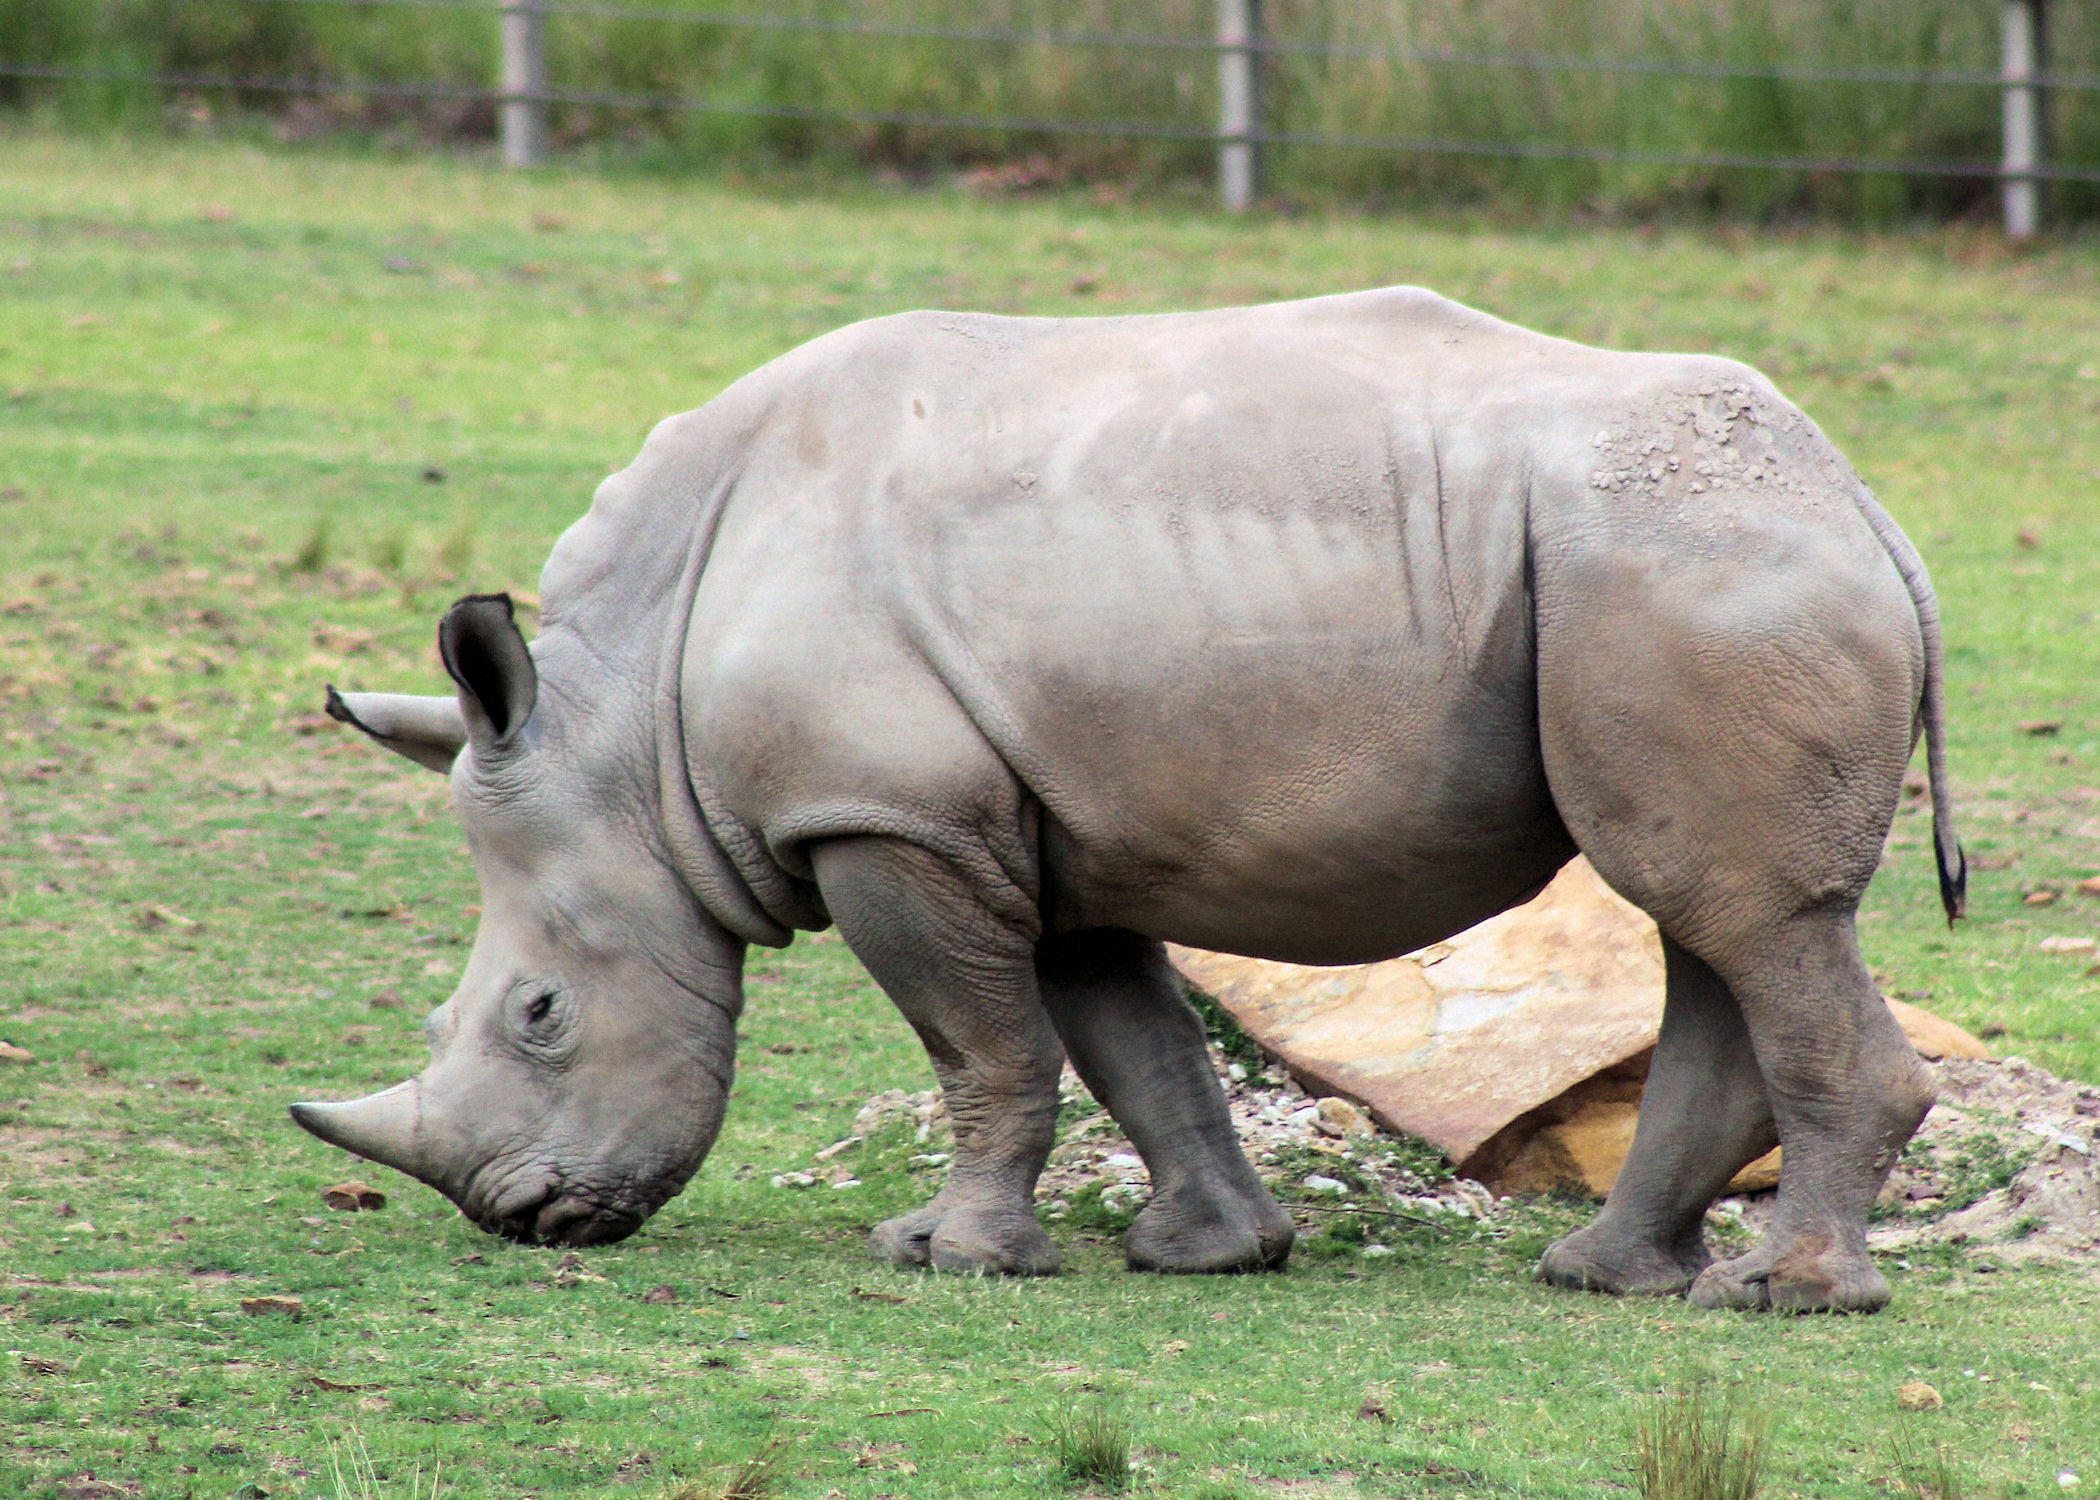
x=264, y=415
x=1398, y=68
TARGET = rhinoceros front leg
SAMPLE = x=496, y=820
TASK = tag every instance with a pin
x=1704, y=1115
x=965, y=980
x=1140, y=1049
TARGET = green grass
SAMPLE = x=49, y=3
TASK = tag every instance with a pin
x=223, y=377
x=1392, y=75
x=1695, y=1448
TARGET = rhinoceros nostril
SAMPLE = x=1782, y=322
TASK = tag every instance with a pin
x=565, y=1220
x=515, y=1213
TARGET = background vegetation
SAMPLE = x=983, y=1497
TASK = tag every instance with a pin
x=263, y=414
x=1341, y=95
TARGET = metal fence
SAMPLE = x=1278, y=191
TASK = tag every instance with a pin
x=1241, y=48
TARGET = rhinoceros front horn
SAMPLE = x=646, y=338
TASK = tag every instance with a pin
x=382, y=1127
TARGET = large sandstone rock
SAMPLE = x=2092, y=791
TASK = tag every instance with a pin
x=1518, y=1048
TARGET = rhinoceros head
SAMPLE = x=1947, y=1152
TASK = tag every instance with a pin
x=578, y=1073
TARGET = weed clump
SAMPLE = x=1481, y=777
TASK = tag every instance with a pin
x=311, y=555
x=757, y=1478
x=361, y=1480
x=1226, y=1034
x=1090, y=1446
x=1926, y=1476
x=456, y=549
x=1093, y=1211
x=1692, y=1448
x=390, y=552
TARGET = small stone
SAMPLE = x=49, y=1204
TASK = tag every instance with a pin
x=660, y=1295
x=2040, y=898
x=1371, y=1252
x=1916, y=1395
x=1123, y=1161
x=1124, y=1196
x=351, y=1197
x=794, y=1180
x=10, y=1053
x=1319, y=1184
x=1338, y=1117
x=262, y=1307
x=570, y=1271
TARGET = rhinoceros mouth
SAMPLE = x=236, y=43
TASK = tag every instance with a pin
x=550, y=1213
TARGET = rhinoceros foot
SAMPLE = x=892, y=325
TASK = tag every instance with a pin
x=1595, y=1260
x=974, y=1241
x=1813, y=1274
x=1194, y=1233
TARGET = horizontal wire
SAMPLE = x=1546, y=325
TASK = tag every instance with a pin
x=1536, y=61
x=1130, y=128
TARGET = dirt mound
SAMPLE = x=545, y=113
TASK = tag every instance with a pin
x=2005, y=1160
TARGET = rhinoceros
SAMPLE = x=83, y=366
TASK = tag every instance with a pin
x=1317, y=631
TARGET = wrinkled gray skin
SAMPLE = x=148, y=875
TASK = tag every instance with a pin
x=1316, y=631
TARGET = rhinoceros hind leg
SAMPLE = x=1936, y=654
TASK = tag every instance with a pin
x=1141, y=1050
x=1726, y=740
x=1816, y=1274
x=966, y=982
x=1704, y=1114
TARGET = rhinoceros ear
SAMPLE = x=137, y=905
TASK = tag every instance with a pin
x=490, y=661
x=429, y=731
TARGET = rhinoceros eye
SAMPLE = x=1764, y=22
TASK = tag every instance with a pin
x=537, y=1010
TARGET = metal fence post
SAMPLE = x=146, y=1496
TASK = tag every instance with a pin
x=2025, y=51
x=1239, y=102
x=524, y=107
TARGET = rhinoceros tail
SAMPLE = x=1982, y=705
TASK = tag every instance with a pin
x=1932, y=704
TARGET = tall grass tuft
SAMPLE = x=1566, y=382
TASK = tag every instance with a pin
x=455, y=550
x=1090, y=1445
x=311, y=555
x=389, y=552
x=361, y=1481
x=757, y=1478
x=1922, y=1475
x=1693, y=1447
